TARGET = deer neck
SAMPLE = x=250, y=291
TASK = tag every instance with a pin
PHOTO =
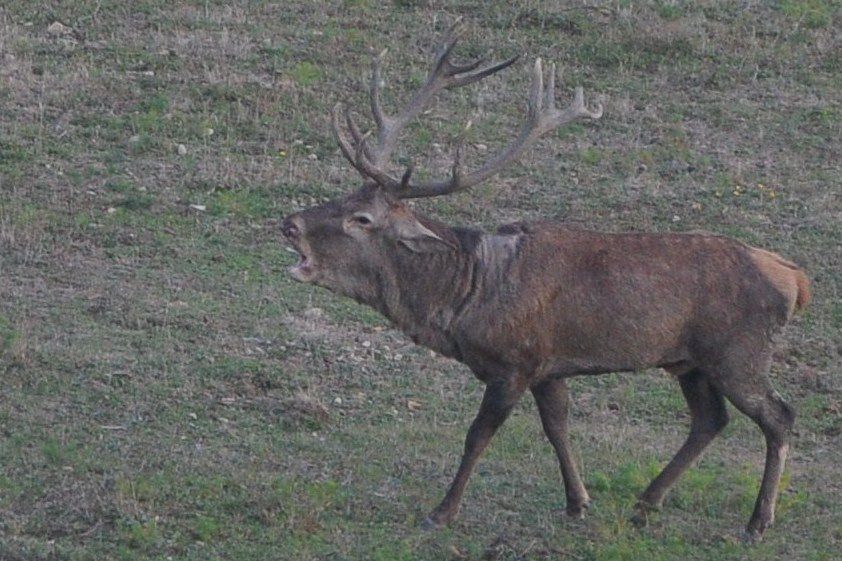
x=422, y=293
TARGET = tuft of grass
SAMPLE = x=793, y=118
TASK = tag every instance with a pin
x=813, y=14
x=207, y=529
x=307, y=73
x=8, y=336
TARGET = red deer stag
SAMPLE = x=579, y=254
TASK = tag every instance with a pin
x=533, y=304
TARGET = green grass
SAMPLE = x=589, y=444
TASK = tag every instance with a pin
x=170, y=393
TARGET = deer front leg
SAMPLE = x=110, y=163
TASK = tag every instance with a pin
x=497, y=403
x=553, y=402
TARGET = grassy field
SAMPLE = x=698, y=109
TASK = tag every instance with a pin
x=168, y=392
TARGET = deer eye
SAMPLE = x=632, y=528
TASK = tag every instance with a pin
x=362, y=219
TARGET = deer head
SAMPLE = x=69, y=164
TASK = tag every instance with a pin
x=346, y=242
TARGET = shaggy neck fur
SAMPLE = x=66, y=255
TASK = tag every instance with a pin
x=422, y=292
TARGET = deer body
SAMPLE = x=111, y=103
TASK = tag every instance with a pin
x=547, y=300
x=533, y=304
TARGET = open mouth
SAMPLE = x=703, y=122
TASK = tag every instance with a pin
x=303, y=270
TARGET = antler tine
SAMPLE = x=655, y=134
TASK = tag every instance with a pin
x=375, y=89
x=596, y=113
x=462, y=68
x=462, y=74
x=536, y=92
x=465, y=79
x=442, y=75
x=549, y=94
x=357, y=155
x=446, y=45
x=344, y=146
x=406, y=175
x=542, y=117
x=355, y=132
x=574, y=111
x=456, y=168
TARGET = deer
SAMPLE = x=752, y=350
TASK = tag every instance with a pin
x=532, y=304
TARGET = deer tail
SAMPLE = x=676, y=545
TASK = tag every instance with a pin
x=804, y=294
x=787, y=277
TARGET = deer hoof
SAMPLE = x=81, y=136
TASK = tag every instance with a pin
x=577, y=512
x=640, y=519
x=434, y=522
x=428, y=525
x=751, y=537
x=642, y=513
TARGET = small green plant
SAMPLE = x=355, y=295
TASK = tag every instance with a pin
x=142, y=535
x=136, y=201
x=58, y=454
x=206, y=528
x=669, y=9
x=8, y=336
x=591, y=156
x=812, y=13
x=307, y=73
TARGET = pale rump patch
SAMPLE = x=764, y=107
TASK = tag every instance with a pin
x=784, y=275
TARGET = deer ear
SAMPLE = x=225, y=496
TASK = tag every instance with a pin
x=409, y=232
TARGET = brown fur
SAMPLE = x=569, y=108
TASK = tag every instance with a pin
x=785, y=276
x=534, y=304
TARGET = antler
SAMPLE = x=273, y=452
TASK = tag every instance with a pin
x=542, y=117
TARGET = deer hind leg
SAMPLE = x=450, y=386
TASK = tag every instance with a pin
x=553, y=402
x=708, y=417
x=497, y=403
x=744, y=382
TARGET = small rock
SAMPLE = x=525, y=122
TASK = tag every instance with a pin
x=312, y=157
x=366, y=344
x=58, y=28
x=111, y=210
x=209, y=132
x=482, y=147
x=314, y=313
x=182, y=149
x=337, y=401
